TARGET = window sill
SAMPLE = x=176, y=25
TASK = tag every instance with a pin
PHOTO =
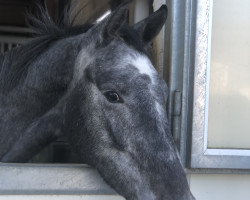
x=53, y=179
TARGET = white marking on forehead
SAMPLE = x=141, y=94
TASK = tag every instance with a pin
x=144, y=65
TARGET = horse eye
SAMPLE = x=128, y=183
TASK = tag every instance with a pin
x=113, y=97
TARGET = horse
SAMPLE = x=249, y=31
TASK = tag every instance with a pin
x=94, y=84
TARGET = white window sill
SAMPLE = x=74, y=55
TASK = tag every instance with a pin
x=48, y=179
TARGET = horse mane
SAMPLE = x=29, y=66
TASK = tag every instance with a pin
x=15, y=63
x=44, y=25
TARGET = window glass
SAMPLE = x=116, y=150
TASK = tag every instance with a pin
x=229, y=92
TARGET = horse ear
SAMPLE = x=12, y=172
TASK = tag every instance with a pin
x=151, y=26
x=116, y=20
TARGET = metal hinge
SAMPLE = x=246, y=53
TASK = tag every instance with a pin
x=177, y=117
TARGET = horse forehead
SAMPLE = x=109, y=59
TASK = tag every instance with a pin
x=143, y=64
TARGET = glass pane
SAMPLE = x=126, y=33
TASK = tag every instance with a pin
x=229, y=99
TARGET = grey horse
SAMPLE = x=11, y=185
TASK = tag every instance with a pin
x=96, y=85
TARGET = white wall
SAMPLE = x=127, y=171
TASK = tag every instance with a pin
x=220, y=186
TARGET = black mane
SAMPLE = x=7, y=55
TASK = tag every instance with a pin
x=15, y=63
x=44, y=25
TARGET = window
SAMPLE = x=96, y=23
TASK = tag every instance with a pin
x=221, y=108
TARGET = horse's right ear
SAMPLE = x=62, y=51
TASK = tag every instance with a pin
x=151, y=26
x=112, y=24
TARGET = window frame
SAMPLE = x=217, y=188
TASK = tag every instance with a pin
x=184, y=64
x=56, y=179
x=201, y=155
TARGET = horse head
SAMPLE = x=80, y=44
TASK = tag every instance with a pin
x=96, y=85
x=116, y=112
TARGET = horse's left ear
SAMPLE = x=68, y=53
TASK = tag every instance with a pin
x=151, y=26
x=116, y=20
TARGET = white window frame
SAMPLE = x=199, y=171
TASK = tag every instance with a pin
x=201, y=155
x=56, y=179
